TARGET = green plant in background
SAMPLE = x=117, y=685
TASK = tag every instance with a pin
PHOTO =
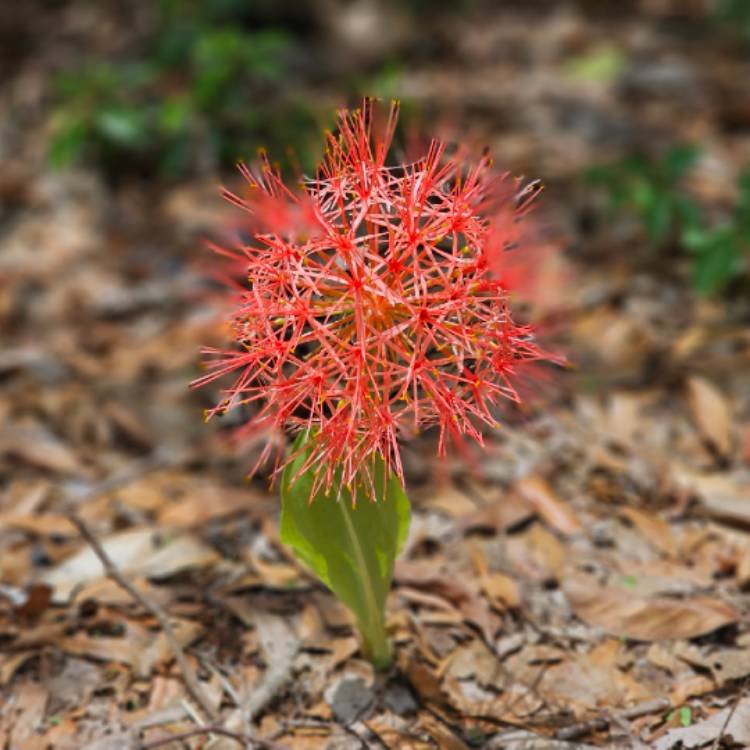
x=721, y=251
x=653, y=190
x=736, y=13
x=206, y=89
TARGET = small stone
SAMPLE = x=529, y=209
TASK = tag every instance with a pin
x=350, y=699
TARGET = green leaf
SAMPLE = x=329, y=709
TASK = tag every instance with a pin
x=122, y=126
x=686, y=716
x=603, y=63
x=657, y=216
x=350, y=543
x=68, y=140
x=715, y=264
x=679, y=159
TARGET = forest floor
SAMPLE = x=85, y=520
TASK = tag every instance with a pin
x=586, y=583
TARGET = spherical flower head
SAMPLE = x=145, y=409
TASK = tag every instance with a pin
x=370, y=309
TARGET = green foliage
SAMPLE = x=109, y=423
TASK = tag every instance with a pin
x=603, y=63
x=649, y=188
x=735, y=13
x=686, y=716
x=351, y=544
x=653, y=191
x=206, y=89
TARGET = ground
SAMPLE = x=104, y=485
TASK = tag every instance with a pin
x=586, y=581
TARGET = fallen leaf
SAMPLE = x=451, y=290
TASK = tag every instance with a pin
x=501, y=590
x=134, y=552
x=537, y=553
x=450, y=501
x=473, y=660
x=703, y=732
x=39, y=524
x=725, y=664
x=656, y=530
x=622, y=613
x=721, y=497
x=27, y=711
x=710, y=413
x=547, y=505
x=472, y=606
x=505, y=513
x=36, y=446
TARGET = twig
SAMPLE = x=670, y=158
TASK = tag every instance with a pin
x=717, y=739
x=654, y=706
x=574, y=731
x=280, y=647
x=188, y=676
x=600, y=723
x=161, y=458
x=245, y=740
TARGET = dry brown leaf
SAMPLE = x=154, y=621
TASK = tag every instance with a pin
x=501, y=590
x=136, y=552
x=711, y=413
x=547, y=505
x=504, y=513
x=656, y=530
x=443, y=736
x=390, y=736
x=721, y=496
x=449, y=500
x=733, y=720
x=38, y=447
x=158, y=650
x=473, y=660
x=423, y=679
x=11, y=663
x=537, y=553
x=622, y=613
x=582, y=683
x=458, y=592
x=208, y=502
x=725, y=664
x=27, y=712
x=41, y=525
x=280, y=575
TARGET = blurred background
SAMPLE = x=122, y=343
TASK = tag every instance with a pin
x=121, y=120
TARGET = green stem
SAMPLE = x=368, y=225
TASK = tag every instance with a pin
x=376, y=646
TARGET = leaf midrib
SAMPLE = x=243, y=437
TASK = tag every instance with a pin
x=371, y=604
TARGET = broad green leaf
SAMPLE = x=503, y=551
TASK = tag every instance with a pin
x=679, y=160
x=68, y=141
x=350, y=543
x=715, y=265
x=657, y=216
x=122, y=126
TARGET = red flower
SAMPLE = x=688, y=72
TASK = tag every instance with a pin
x=370, y=308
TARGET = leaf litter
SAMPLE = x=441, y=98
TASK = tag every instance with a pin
x=588, y=586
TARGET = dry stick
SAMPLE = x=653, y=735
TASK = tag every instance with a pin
x=278, y=674
x=717, y=739
x=188, y=676
x=600, y=723
x=243, y=739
